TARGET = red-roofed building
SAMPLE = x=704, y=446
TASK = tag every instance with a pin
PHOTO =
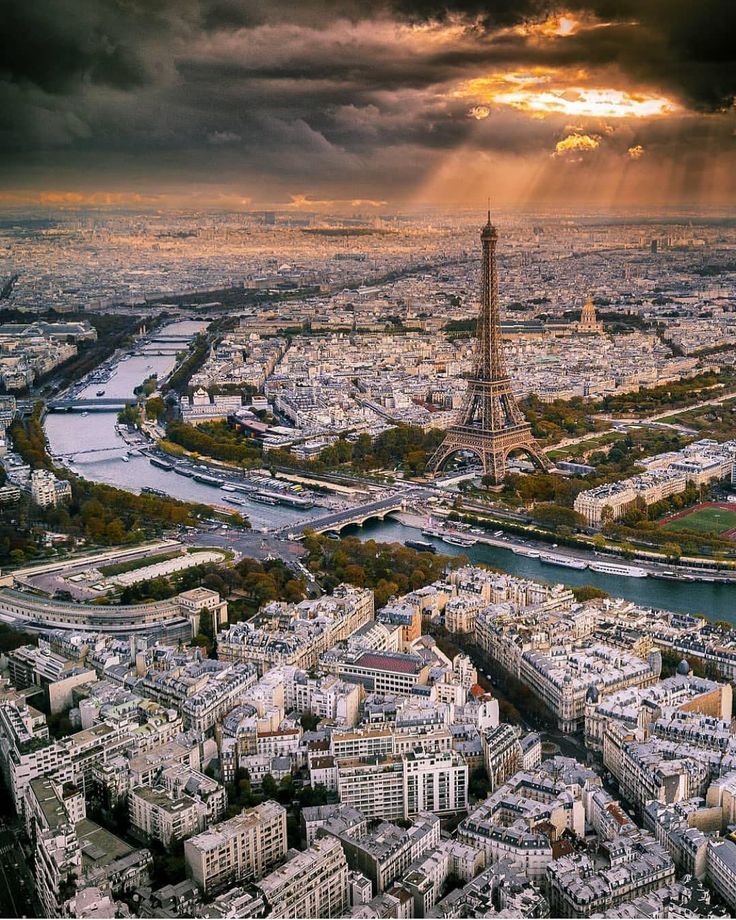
x=382, y=672
x=400, y=664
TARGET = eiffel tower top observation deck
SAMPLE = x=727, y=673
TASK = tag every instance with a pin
x=490, y=424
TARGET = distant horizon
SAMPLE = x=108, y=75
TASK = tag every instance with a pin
x=718, y=214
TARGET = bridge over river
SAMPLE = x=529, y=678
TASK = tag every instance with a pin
x=96, y=404
x=357, y=515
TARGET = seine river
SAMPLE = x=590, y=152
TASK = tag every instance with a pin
x=74, y=433
x=717, y=602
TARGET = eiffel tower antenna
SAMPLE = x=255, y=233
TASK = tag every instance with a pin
x=491, y=424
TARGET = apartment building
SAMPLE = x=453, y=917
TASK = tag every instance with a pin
x=47, y=491
x=157, y=814
x=282, y=742
x=681, y=692
x=624, y=868
x=92, y=746
x=326, y=697
x=373, y=786
x=605, y=814
x=57, y=855
x=657, y=769
x=27, y=752
x=390, y=786
x=423, y=884
x=722, y=795
x=310, y=884
x=406, y=614
x=506, y=629
x=383, y=852
x=179, y=779
x=502, y=890
x=366, y=741
x=145, y=768
x=564, y=676
x=684, y=829
x=57, y=675
x=315, y=817
x=721, y=869
x=242, y=848
x=296, y=634
x=523, y=819
x=502, y=753
x=461, y=613
x=435, y=782
x=203, y=691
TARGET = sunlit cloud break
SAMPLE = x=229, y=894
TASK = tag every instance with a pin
x=560, y=26
x=305, y=203
x=576, y=144
x=479, y=112
x=540, y=93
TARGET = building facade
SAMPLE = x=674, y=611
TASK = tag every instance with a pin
x=242, y=848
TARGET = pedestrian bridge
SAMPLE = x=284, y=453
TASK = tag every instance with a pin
x=96, y=404
x=357, y=515
x=155, y=339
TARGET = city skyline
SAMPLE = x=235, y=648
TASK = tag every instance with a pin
x=347, y=107
x=368, y=459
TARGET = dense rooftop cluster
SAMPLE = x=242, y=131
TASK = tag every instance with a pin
x=325, y=698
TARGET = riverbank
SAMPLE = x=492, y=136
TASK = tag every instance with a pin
x=668, y=570
x=710, y=599
x=92, y=446
x=710, y=568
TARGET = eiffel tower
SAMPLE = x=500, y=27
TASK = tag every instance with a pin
x=491, y=424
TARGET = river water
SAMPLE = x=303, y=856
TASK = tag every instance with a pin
x=717, y=602
x=74, y=433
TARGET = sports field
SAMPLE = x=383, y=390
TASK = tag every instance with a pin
x=708, y=518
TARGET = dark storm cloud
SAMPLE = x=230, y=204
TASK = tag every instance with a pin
x=55, y=44
x=488, y=14
x=321, y=90
x=688, y=46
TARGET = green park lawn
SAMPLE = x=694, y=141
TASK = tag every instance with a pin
x=704, y=520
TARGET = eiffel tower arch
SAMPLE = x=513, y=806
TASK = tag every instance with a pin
x=491, y=425
x=493, y=457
